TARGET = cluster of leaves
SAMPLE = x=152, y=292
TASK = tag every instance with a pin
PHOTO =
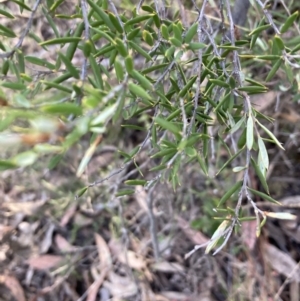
x=185, y=80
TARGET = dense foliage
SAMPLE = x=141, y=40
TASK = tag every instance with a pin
x=183, y=78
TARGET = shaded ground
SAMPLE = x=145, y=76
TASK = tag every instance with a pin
x=98, y=247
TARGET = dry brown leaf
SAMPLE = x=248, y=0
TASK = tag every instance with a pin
x=44, y=262
x=103, y=251
x=68, y=214
x=5, y=231
x=146, y=292
x=291, y=201
x=141, y=197
x=175, y=296
x=167, y=267
x=249, y=233
x=81, y=220
x=63, y=244
x=281, y=262
x=122, y=287
x=132, y=259
x=14, y=286
x=263, y=101
x=27, y=208
x=195, y=236
x=292, y=116
x=294, y=291
x=47, y=241
x=94, y=288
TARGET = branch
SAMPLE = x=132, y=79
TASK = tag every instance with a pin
x=24, y=34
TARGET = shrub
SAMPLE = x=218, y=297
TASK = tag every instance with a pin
x=186, y=77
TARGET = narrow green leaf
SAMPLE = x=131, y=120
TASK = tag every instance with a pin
x=165, y=32
x=196, y=46
x=219, y=83
x=63, y=40
x=253, y=89
x=119, y=70
x=97, y=72
x=115, y=21
x=54, y=161
x=229, y=47
x=138, y=19
x=143, y=81
x=69, y=65
x=295, y=49
x=56, y=86
x=87, y=48
x=164, y=153
x=255, y=83
x=25, y=159
x=133, y=33
x=63, y=108
x=14, y=86
x=223, y=101
x=154, y=68
x=243, y=139
x=263, y=152
x=229, y=160
x=260, y=175
x=81, y=192
x=73, y=45
x=120, y=107
x=50, y=22
x=6, y=14
x=274, y=70
x=289, y=72
x=158, y=167
x=135, y=182
x=270, y=134
x=105, y=115
x=202, y=164
x=124, y=192
x=129, y=65
x=148, y=9
x=55, y=5
x=147, y=37
x=185, y=89
x=218, y=234
x=191, y=33
x=5, y=67
x=121, y=47
x=289, y=22
x=101, y=13
x=88, y=156
x=39, y=62
x=4, y=165
x=259, y=29
x=102, y=34
x=140, y=50
x=230, y=192
x=172, y=127
x=237, y=125
x=6, y=32
x=264, y=196
x=139, y=91
x=267, y=57
x=239, y=168
x=21, y=4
